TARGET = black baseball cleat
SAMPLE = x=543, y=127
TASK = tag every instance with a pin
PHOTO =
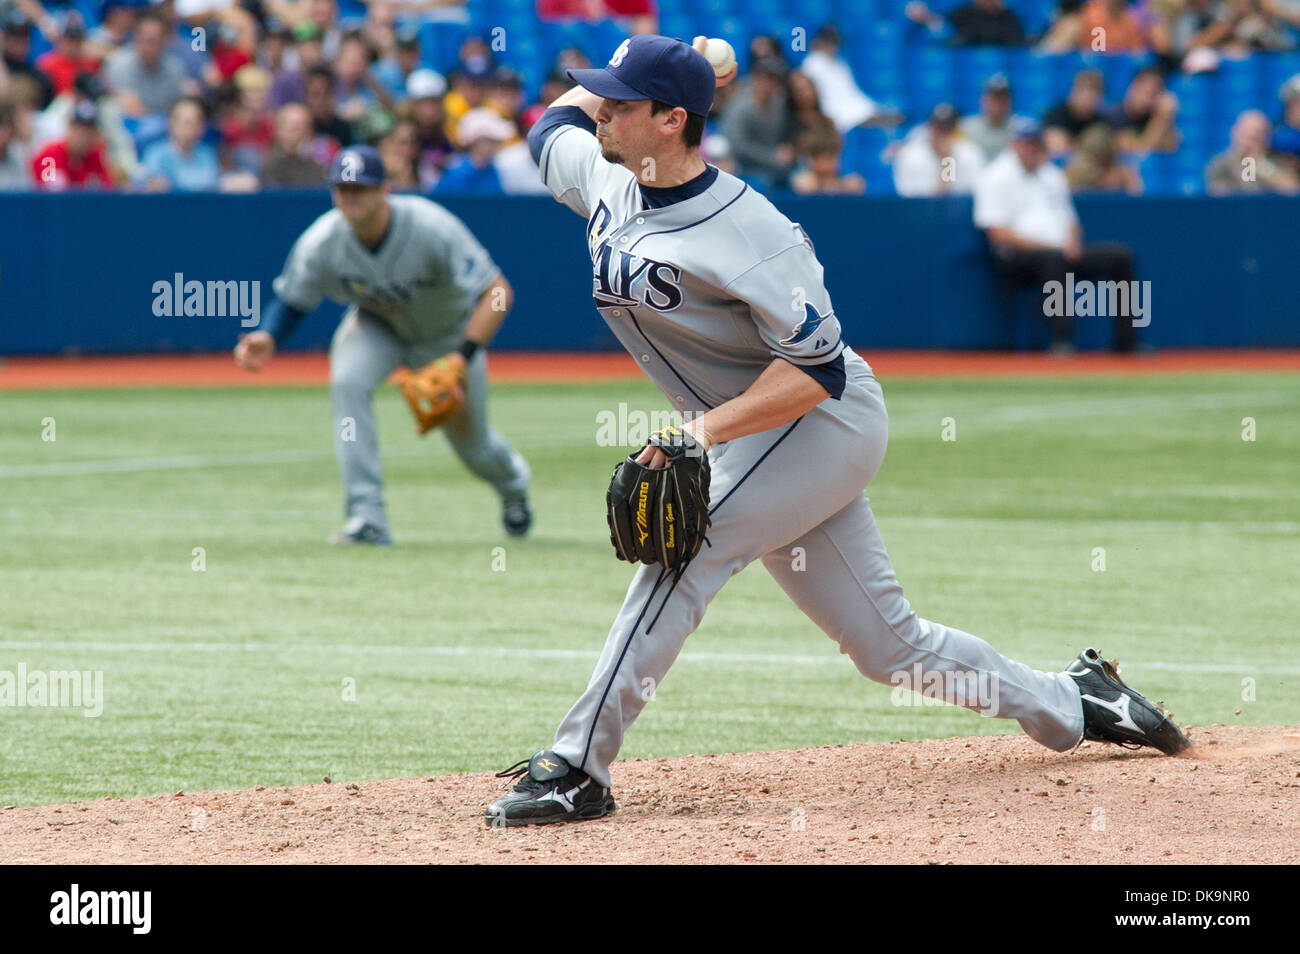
x=516, y=515
x=357, y=531
x=550, y=790
x=1112, y=712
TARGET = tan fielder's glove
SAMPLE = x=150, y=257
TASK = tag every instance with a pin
x=435, y=392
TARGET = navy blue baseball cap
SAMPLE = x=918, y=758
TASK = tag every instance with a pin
x=357, y=165
x=648, y=66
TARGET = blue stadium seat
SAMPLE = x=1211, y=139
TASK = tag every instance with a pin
x=1035, y=15
x=440, y=44
x=681, y=25
x=855, y=12
x=1119, y=69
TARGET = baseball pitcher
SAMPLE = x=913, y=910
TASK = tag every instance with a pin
x=425, y=296
x=721, y=300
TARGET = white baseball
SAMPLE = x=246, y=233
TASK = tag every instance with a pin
x=720, y=56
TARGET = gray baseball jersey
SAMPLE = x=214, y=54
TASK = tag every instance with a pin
x=422, y=282
x=411, y=300
x=706, y=291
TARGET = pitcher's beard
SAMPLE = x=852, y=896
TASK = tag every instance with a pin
x=609, y=155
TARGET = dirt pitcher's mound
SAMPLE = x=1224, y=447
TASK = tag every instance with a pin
x=997, y=799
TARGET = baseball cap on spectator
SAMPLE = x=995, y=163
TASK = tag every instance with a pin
x=944, y=116
x=476, y=70
x=72, y=26
x=374, y=125
x=357, y=165
x=85, y=113
x=483, y=124
x=998, y=84
x=408, y=38
x=648, y=66
x=425, y=84
x=1026, y=127
x=89, y=85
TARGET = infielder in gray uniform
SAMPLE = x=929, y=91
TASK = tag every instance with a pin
x=420, y=287
x=721, y=300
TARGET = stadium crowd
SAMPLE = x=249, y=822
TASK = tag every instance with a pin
x=200, y=95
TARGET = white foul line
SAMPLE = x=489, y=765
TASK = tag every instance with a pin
x=1012, y=414
x=506, y=652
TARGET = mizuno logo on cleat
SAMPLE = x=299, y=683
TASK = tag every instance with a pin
x=1121, y=709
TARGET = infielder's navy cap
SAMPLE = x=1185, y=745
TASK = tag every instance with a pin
x=648, y=66
x=357, y=165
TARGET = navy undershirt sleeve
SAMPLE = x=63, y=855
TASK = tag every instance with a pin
x=553, y=119
x=279, y=320
x=830, y=375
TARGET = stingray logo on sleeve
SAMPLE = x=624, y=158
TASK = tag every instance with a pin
x=813, y=320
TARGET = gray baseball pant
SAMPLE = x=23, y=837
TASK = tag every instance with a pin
x=363, y=353
x=801, y=486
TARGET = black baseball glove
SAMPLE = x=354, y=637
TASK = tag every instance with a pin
x=661, y=515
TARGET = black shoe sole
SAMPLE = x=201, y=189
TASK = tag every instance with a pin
x=588, y=813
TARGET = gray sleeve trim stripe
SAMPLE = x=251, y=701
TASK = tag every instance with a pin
x=820, y=357
x=691, y=225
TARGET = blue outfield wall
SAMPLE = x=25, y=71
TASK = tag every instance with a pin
x=77, y=270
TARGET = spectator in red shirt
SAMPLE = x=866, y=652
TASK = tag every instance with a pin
x=69, y=57
x=78, y=160
x=247, y=131
x=233, y=49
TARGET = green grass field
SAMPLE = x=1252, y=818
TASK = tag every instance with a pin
x=236, y=675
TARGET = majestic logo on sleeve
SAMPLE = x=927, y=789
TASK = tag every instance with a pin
x=811, y=322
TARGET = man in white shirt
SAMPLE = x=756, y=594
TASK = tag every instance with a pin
x=934, y=160
x=841, y=98
x=1023, y=204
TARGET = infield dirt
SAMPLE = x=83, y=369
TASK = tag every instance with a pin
x=993, y=799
